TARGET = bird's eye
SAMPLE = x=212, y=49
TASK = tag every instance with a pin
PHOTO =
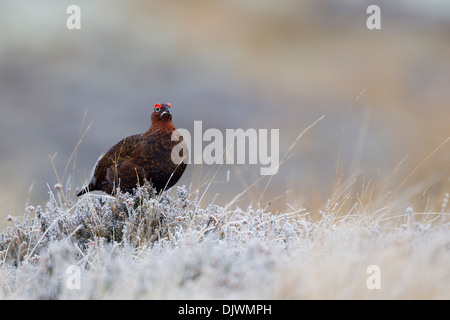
x=157, y=109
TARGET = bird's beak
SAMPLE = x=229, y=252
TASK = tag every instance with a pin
x=166, y=112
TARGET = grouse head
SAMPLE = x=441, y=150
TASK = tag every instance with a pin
x=162, y=113
x=162, y=118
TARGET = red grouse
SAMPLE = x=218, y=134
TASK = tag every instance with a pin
x=147, y=156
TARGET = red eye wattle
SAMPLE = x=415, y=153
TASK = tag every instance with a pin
x=157, y=106
x=170, y=106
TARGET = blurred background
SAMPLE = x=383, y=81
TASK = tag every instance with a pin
x=232, y=64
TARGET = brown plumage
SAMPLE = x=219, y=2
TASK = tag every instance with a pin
x=141, y=157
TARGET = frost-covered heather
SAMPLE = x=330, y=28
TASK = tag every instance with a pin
x=170, y=247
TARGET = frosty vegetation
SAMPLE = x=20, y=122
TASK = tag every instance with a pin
x=169, y=246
